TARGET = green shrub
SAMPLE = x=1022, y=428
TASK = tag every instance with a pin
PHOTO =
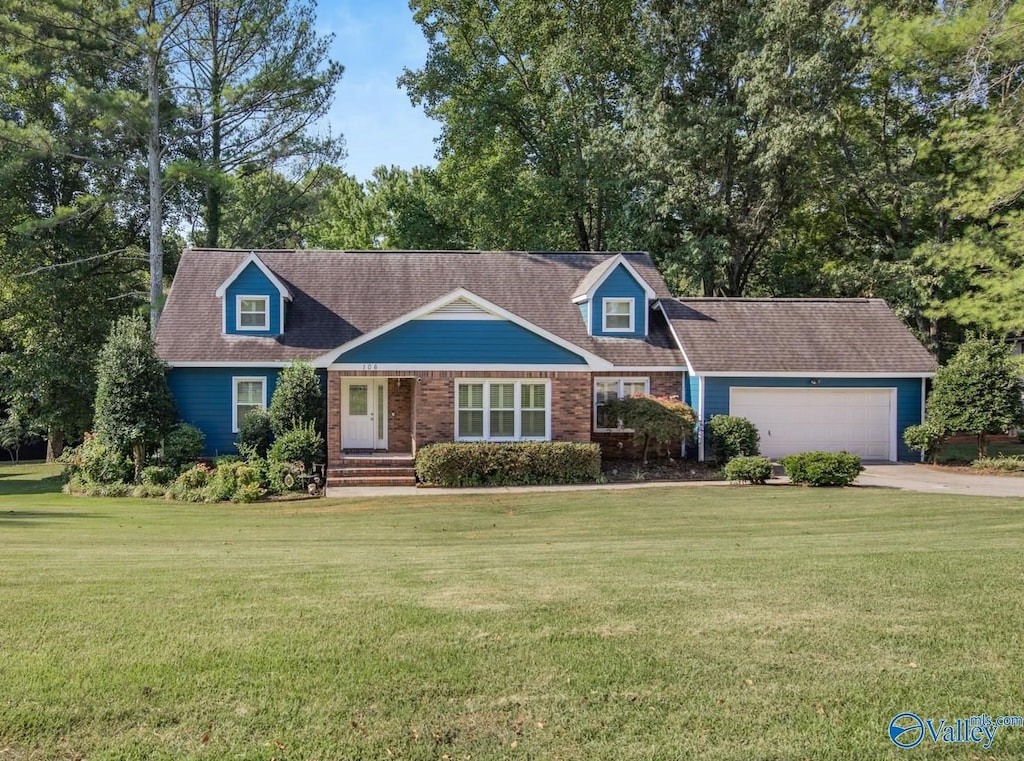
x=923, y=438
x=297, y=398
x=183, y=445
x=494, y=464
x=1007, y=464
x=285, y=476
x=98, y=462
x=255, y=433
x=229, y=479
x=731, y=436
x=248, y=493
x=78, y=486
x=196, y=477
x=302, y=443
x=157, y=475
x=148, y=491
x=748, y=470
x=822, y=468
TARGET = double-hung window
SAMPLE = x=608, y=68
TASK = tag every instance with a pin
x=609, y=389
x=502, y=410
x=253, y=313
x=247, y=394
x=617, y=316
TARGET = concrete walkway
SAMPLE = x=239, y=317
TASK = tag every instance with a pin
x=919, y=478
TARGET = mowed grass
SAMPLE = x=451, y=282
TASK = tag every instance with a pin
x=660, y=623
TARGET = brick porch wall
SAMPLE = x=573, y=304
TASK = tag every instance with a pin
x=421, y=409
x=435, y=404
x=621, y=445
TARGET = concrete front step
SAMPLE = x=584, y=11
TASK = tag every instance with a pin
x=361, y=472
x=372, y=481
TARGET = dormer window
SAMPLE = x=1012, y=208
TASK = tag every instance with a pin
x=253, y=313
x=618, y=316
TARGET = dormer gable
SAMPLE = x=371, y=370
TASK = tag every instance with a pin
x=614, y=299
x=253, y=300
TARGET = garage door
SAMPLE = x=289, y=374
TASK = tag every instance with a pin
x=858, y=420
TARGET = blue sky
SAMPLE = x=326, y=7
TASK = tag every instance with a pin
x=375, y=40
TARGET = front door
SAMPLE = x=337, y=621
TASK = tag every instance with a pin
x=364, y=414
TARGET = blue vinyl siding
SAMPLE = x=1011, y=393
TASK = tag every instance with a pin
x=461, y=342
x=908, y=397
x=252, y=282
x=620, y=285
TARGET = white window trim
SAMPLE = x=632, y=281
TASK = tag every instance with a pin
x=234, y=396
x=604, y=315
x=620, y=382
x=238, y=313
x=518, y=383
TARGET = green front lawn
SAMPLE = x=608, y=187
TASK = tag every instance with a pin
x=677, y=622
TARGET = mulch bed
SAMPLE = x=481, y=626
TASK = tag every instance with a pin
x=617, y=471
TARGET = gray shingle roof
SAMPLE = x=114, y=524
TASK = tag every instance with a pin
x=795, y=335
x=340, y=295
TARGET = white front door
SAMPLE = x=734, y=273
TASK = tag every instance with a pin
x=364, y=414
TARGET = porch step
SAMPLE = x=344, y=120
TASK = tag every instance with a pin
x=361, y=472
x=371, y=481
x=372, y=470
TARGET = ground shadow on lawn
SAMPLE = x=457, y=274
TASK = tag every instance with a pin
x=9, y=517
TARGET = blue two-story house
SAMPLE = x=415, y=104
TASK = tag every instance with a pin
x=422, y=347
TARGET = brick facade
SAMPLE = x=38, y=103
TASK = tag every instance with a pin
x=421, y=406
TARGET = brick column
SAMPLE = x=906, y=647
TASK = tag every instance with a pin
x=333, y=418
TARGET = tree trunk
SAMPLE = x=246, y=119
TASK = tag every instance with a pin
x=214, y=196
x=982, y=445
x=54, y=444
x=156, y=245
x=139, y=450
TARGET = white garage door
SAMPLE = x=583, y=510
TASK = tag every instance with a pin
x=857, y=420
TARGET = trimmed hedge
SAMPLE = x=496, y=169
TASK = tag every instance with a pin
x=511, y=464
x=748, y=470
x=732, y=436
x=822, y=468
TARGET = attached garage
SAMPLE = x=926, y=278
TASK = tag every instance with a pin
x=857, y=420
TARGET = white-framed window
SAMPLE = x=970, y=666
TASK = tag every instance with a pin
x=617, y=315
x=502, y=410
x=252, y=312
x=608, y=389
x=246, y=395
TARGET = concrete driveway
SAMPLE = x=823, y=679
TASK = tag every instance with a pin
x=924, y=478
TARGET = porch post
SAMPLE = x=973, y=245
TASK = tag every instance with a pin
x=333, y=417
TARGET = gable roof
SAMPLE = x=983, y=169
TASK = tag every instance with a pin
x=461, y=298
x=777, y=336
x=593, y=279
x=339, y=296
x=253, y=259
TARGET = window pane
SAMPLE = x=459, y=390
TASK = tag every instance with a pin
x=252, y=313
x=250, y=392
x=471, y=395
x=471, y=423
x=380, y=411
x=632, y=388
x=357, y=402
x=534, y=424
x=503, y=423
x=245, y=409
x=533, y=395
x=503, y=395
x=617, y=307
x=618, y=321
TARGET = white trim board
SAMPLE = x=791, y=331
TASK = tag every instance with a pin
x=253, y=259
